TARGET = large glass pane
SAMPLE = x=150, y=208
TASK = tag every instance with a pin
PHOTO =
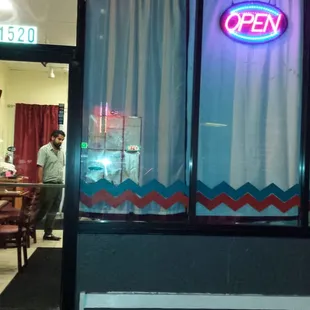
x=134, y=150
x=250, y=120
x=55, y=21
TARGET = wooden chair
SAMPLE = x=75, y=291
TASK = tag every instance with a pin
x=30, y=204
x=33, y=209
x=3, y=203
x=17, y=233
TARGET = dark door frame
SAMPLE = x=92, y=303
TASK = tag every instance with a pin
x=66, y=55
x=74, y=56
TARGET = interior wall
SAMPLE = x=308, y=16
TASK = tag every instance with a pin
x=3, y=110
x=32, y=87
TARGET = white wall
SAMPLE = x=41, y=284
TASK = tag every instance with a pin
x=30, y=87
x=33, y=88
x=3, y=110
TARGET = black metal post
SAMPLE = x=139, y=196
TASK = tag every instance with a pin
x=186, y=145
x=305, y=123
x=69, y=297
x=37, y=53
x=193, y=160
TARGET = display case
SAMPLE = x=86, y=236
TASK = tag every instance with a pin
x=113, y=151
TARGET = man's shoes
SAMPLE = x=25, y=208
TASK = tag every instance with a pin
x=50, y=237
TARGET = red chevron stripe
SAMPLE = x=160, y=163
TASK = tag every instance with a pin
x=250, y=200
x=166, y=203
x=140, y=202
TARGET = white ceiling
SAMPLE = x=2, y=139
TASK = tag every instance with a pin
x=55, y=19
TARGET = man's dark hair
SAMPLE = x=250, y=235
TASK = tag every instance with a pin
x=56, y=133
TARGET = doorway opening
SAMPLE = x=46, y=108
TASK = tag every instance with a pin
x=33, y=105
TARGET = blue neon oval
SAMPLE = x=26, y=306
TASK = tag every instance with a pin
x=253, y=22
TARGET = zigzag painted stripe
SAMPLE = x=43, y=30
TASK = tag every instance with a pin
x=247, y=199
x=128, y=185
x=166, y=203
x=247, y=188
x=179, y=186
x=140, y=202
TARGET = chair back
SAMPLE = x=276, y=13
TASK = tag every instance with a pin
x=30, y=208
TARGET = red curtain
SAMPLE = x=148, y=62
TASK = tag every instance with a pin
x=33, y=126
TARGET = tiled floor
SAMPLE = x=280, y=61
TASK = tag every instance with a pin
x=8, y=257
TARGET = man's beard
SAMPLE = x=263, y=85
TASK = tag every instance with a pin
x=57, y=146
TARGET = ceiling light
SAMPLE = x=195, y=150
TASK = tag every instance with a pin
x=51, y=74
x=6, y=5
x=214, y=125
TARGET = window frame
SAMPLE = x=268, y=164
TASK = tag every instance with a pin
x=192, y=226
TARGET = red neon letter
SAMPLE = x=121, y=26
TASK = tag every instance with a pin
x=228, y=20
x=245, y=21
x=260, y=22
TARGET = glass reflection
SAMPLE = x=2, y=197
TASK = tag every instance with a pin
x=114, y=147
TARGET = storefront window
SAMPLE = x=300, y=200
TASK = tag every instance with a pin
x=134, y=128
x=249, y=137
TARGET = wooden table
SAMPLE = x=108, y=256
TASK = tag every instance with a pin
x=17, y=200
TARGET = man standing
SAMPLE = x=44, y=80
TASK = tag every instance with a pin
x=51, y=162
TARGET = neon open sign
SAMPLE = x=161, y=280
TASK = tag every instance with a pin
x=253, y=22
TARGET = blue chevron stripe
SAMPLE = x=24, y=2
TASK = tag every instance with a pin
x=248, y=188
x=128, y=185
x=92, y=188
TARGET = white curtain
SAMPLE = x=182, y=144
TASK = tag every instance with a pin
x=250, y=94
x=250, y=104
x=136, y=62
